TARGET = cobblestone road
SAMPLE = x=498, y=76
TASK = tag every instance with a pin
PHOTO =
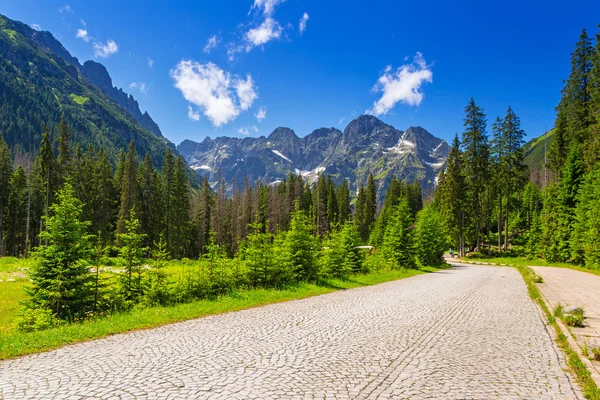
x=467, y=333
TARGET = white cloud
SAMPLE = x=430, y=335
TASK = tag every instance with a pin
x=246, y=92
x=83, y=22
x=302, y=23
x=193, y=115
x=150, y=62
x=219, y=95
x=402, y=85
x=105, y=50
x=267, y=6
x=141, y=86
x=211, y=43
x=83, y=35
x=266, y=32
x=66, y=8
x=341, y=121
x=243, y=131
x=254, y=128
x=36, y=27
x=261, y=114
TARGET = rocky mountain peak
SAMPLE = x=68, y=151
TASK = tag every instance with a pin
x=283, y=134
x=97, y=74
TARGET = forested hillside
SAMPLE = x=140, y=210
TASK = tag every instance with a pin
x=487, y=198
x=40, y=82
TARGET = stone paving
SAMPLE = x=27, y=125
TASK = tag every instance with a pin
x=467, y=333
x=572, y=288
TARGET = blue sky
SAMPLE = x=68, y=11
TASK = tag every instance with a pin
x=429, y=58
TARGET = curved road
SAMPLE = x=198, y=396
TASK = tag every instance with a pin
x=467, y=333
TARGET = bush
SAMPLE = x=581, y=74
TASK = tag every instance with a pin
x=35, y=319
x=572, y=316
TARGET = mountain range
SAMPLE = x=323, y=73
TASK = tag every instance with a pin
x=367, y=145
x=40, y=81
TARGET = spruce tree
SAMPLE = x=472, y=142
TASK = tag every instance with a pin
x=129, y=189
x=454, y=197
x=5, y=175
x=132, y=256
x=61, y=280
x=585, y=239
x=64, y=160
x=47, y=170
x=398, y=243
x=299, y=247
x=343, y=201
x=476, y=159
x=179, y=211
x=17, y=213
x=430, y=237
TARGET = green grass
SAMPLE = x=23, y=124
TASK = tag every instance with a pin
x=11, y=34
x=15, y=343
x=527, y=262
x=590, y=389
x=81, y=100
x=11, y=294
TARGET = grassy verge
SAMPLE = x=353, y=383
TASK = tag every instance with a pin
x=590, y=390
x=523, y=261
x=16, y=343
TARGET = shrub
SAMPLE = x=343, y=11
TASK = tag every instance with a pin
x=35, y=319
x=572, y=316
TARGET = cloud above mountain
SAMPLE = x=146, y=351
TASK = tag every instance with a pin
x=219, y=95
x=401, y=86
x=105, y=50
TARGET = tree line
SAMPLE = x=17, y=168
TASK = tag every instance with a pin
x=486, y=198
x=76, y=214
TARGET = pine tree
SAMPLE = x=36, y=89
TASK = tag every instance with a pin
x=562, y=207
x=370, y=205
x=257, y=252
x=60, y=276
x=5, y=175
x=476, y=159
x=157, y=291
x=534, y=236
x=104, y=198
x=17, y=213
x=576, y=94
x=48, y=171
x=360, y=214
x=203, y=215
x=179, y=211
x=512, y=163
x=132, y=256
x=343, y=201
x=453, y=190
x=64, y=160
x=129, y=189
x=430, y=237
x=398, y=244
x=585, y=239
x=299, y=247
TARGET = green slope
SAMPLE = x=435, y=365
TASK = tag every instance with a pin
x=535, y=151
x=37, y=86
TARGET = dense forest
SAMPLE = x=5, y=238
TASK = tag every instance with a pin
x=76, y=214
x=487, y=200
